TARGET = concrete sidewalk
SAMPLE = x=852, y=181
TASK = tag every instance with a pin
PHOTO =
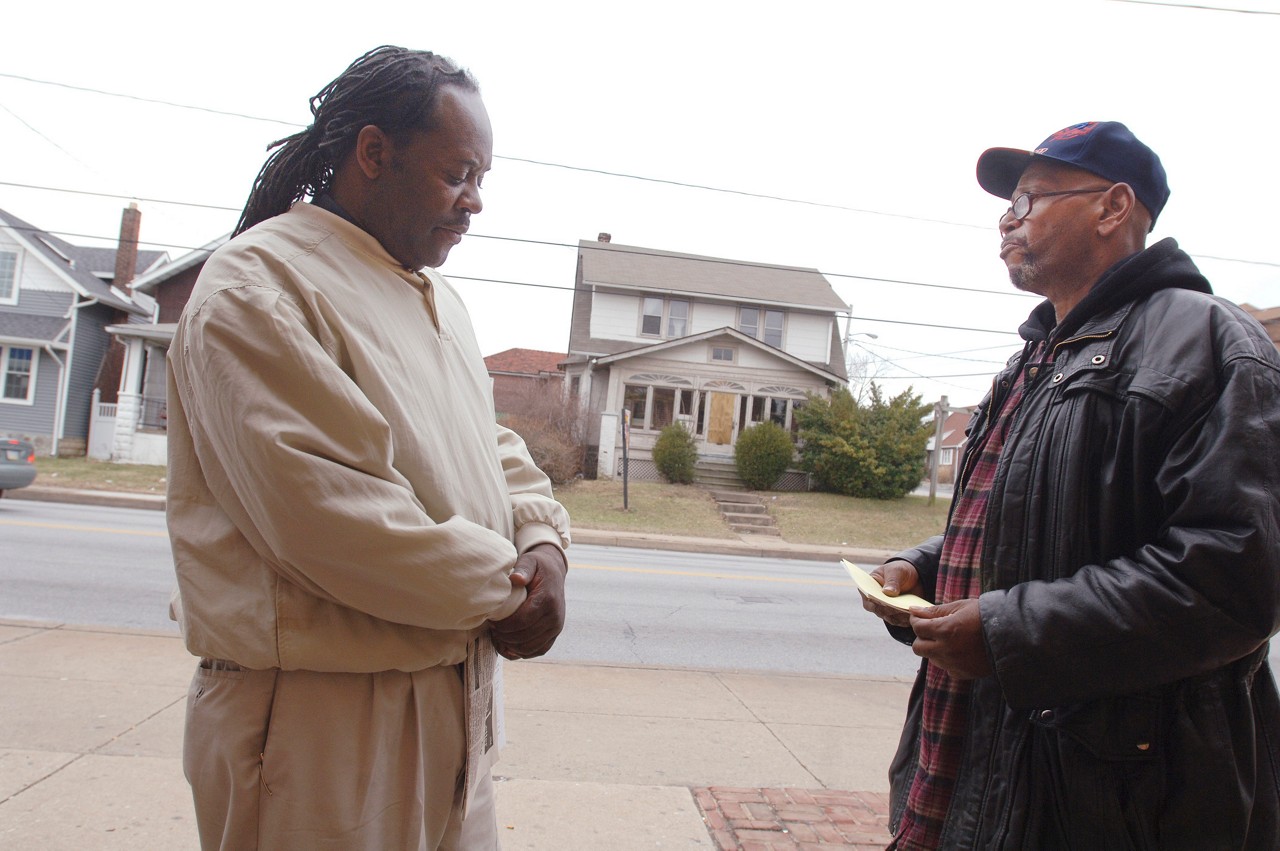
x=598, y=756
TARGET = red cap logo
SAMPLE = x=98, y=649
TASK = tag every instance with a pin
x=1075, y=131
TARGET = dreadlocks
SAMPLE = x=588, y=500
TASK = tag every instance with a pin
x=392, y=88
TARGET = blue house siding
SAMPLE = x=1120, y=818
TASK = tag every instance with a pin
x=88, y=346
x=34, y=420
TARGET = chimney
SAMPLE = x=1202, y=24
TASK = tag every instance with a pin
x=604, y=237
x=127, y=249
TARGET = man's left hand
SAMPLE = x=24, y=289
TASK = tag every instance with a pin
x=533, y=628
x=950, y=636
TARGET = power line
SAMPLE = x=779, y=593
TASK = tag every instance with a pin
x=543, y=163
x=616, y=250
x=141, y=99
x=930, y=354
x=34, y=229
x=1197, y=7
x=585, y=170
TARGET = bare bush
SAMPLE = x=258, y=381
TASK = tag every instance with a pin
x=553, y=428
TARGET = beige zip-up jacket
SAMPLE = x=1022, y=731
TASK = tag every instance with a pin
x=340, y=497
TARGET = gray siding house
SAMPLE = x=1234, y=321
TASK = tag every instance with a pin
x=56, y=301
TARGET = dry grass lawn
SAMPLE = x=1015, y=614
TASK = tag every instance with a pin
x=651, y=507
x=803, y=518
x=831, y=519
x=87, y=474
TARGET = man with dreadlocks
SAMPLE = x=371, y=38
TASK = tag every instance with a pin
x=352, y=533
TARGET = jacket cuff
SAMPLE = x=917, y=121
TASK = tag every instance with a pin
x=531, y=534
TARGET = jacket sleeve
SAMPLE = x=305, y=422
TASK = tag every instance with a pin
x=1202, y=592
x=539, y=519
x=925, y=557
x=302, y=462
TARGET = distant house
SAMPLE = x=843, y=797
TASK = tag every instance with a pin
x=135, y=431
x=719, y=345
x=1270, y=319
x=520, y=374
x=950, y=448
x=56, y=301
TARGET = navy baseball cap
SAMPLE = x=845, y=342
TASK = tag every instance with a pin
x=1105, y=148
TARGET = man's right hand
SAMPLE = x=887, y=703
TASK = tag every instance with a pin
x=895, y=577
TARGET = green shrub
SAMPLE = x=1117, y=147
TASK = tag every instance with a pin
x=675, y=453
x=762, y=455
x=875, y=451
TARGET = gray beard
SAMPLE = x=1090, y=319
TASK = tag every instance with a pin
x=1024, y=275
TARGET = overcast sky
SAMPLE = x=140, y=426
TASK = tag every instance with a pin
x=862, y=121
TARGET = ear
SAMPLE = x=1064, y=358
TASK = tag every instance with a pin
x=1118, y=207
x=372, y=152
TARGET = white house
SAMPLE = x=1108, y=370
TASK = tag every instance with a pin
x=716, y=344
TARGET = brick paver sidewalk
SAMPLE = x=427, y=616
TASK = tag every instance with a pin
x=778, y=819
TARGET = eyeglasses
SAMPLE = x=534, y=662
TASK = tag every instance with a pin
x=1022, y=204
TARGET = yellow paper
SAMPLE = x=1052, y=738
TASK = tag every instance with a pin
x=868, y=585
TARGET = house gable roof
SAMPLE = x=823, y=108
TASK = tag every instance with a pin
x=631, y=267
x=33, y=330
x=157, y=275
x=73, y=264
x=727, y=334
x=524, y=362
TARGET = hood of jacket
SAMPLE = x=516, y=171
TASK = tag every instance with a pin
x=1161, y=266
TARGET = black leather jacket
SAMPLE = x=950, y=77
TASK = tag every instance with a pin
x=1131, y=581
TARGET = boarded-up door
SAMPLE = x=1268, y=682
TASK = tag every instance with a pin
x=720, y=423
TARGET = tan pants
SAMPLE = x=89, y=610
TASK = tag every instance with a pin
x=283, y=760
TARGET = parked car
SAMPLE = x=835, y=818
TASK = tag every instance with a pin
x=17, y=464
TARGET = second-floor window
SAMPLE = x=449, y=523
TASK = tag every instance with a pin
x=8, y=277
x=664, y=317
x=764, y=325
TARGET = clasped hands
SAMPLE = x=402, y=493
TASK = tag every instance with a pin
x=948, y=635
x=530, y=630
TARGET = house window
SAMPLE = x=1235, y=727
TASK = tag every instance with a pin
x=664, y=407
x=653, y=408
x=575, y=386
x=677, y=318
x=947, y=458
x=651, y=317
x=9, y=277
x=794, y=425
x=778, y=411
x=752, y=410
x=659, y=313
x=636, y=400
x=18, y=367
x=764, y=325
x=722, y=354
x=773, y=328
x=686, y=403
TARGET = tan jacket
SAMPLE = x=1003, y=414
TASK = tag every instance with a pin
x=340, y=497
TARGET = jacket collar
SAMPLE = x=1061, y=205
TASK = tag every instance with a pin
x=1159, y=267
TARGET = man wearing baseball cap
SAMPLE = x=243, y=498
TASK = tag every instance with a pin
x=1095, y=666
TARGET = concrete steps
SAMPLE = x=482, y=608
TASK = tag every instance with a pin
x=745, y=512
x=718, y=475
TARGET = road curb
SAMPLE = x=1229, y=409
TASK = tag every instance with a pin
x=742, y=547
x=109, y=499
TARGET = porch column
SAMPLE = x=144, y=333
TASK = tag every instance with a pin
x=129, y=401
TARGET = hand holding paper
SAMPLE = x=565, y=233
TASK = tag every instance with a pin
x=871, y=588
